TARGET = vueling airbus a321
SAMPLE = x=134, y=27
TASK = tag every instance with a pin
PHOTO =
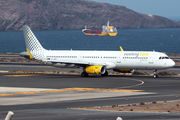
x=97, y=62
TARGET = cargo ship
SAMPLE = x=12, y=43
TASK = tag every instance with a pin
x=106, y=31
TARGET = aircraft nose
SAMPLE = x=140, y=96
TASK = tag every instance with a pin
x=172, y=63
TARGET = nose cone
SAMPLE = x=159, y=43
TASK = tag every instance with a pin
x=171, y=63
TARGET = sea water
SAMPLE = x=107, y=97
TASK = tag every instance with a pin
x=162, y=40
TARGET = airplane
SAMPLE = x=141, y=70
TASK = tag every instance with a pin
x=96, y=62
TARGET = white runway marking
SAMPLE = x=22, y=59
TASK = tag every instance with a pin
x=141, y=83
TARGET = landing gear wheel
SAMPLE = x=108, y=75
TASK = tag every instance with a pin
x=155, y=74
x=84, y=74
x=105, y=74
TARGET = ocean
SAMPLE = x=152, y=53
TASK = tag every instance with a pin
x=161, y=40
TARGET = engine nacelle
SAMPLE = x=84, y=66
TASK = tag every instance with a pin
x=98, y=69
x=124, y=70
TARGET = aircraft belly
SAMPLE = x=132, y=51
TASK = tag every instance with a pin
x=134, y=64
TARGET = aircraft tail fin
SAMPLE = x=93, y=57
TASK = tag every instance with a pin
x=33, y=47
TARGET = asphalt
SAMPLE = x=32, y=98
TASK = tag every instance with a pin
x=34, y=66
x=54, y=104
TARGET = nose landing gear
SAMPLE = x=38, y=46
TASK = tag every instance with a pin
x=155, y=74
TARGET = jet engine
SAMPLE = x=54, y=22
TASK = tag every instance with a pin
x=124, y=70
x=98, y=69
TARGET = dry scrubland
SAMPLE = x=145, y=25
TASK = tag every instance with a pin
x=157, y=106
x=74, y=14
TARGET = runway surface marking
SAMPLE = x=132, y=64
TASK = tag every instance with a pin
x=141, y=83
x=21, y=75
x=70, y=90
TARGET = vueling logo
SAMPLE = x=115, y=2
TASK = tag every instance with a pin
x=144, y=54
x=136, y=54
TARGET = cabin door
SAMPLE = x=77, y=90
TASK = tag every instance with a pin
x=118, y=59
x=80, y=58
x=151, y=58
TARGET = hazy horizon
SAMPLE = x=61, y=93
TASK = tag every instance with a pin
x=164, y=8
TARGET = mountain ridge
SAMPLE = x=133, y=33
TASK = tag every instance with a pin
x=74, y=14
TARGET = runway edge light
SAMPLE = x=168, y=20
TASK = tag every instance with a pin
x=119, y=118
x=9, y=115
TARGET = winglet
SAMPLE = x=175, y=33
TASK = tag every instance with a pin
x=121, y=48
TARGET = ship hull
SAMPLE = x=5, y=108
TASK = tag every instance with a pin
x=90, y=34
x=103, y=34
x=112, y=33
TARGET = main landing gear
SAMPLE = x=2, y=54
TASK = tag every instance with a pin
x=155, y=74
x=105, y=74
x=84, y=74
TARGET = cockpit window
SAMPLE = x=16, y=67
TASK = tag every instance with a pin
x=163, y=57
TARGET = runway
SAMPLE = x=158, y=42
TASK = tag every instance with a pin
x=56, y=105
x=51, y=96
x=34, y=66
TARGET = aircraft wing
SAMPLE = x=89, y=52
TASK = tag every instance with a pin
x=107, y=64
x=73, y=62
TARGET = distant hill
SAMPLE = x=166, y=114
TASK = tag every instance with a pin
x=73, y=14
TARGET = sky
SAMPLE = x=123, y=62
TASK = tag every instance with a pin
x=166, y=8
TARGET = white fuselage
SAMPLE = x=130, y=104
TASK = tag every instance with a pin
x=112, y=59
